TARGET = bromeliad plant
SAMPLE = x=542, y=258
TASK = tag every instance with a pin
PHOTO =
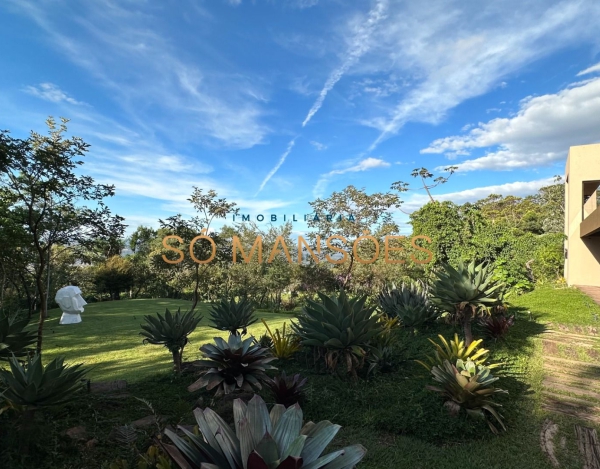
x=455, y=350
x=284, y=344
x=235, y=364
x=410, y=304
x=172, y=331
x=339, y=327
x=287, y=390
x=468, y=386
x=466, y=291
x=30, y=386
x=232, y=316
x=496, y=326
x=261, y=440
x=14, y=339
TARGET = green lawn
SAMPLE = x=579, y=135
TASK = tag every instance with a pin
x=559, y=305
x=108, y=341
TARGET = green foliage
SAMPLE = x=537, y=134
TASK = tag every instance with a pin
x=284, y=344
x=456, y=350
x=409, y=303
x=275, y=440
x=235, y=364
x=265, y=340
x=14, y=338
x=172, y=331
x=466, y=291
x=287, y=390
x=31, y=385
x=468, y=386
x=233, y=316
x=341, y=327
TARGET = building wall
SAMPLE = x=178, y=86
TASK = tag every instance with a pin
x=582, y=265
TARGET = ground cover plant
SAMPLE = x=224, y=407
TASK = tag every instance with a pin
x=394, y=415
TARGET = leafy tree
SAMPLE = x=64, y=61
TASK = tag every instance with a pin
x=45, y=194
x=114, y=276
x=425, y=175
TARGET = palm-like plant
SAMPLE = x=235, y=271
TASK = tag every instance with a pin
x=468, y=386
x=410, y=304
x=232, y=316
x=287, y=390
x=455, y=350
x=283, y=344
x=496, y=325
x=31, y=385
x=261, y=440
x=466, y=291
x=235, y=364
x=341, y=327
x=14, y=339
x=172, y=331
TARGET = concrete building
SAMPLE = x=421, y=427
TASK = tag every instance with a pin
x=582, y=216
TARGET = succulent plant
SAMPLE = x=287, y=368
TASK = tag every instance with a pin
x=284, y=344
x=497, y=325
x=172, y=331
x=287, y=390
x=382, y=359
x=30, y=386
x=410, y=304
x=261, y=440
x=265, y=340
x=468, y=386
x=466, y=291
x=233, y=364
x=233, y=316
x=14, y=339
x=457, y=350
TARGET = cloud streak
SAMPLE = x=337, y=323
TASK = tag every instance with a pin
x=52, y=93
x=285, y=154
x=363, y=165
x=359, y=45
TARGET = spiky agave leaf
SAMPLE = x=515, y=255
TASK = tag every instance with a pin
x=262, y=439
x=341, y=326
x=469, y=387
x=232, y=316
x=170, y=330
x=14, y=338
x=32, y=385
x=233, y=364
x=410, y=304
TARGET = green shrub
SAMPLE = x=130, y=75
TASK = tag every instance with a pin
x=233, y=316
x=409, y=303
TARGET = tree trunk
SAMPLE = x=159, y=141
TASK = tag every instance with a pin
x=177, y=354
x=467, y=315
x=196, y=288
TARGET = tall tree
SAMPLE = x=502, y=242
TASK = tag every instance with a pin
x=45, y=196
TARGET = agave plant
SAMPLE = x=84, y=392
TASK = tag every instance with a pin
x=14, y=339
x=31, y=385
x=466, y=291
x=235, y=364
x=287, y=390
x=468, y=386
x=172, y=331
x=497, y=325
x=410, y=304
x=261, y=440
x=455, y=350
x=233, y=316
x=383, y=359
x=284, y=344
x=265, y=340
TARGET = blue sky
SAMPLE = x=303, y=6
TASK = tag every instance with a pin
x=276, y=102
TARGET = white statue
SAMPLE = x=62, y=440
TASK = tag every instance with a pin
x=70, y=301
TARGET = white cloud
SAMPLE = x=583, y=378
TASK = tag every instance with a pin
x=319, y=146
x=539, y=134
x=285, y=154
x=52, y=93
x=364, y=165
x=518, y=189
x=592, y=69
x=303, y=3
x=466, y=52
x=360, y=43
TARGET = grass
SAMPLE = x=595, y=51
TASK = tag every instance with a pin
x=108, y=341
x=401, y=424
x=559, y=305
